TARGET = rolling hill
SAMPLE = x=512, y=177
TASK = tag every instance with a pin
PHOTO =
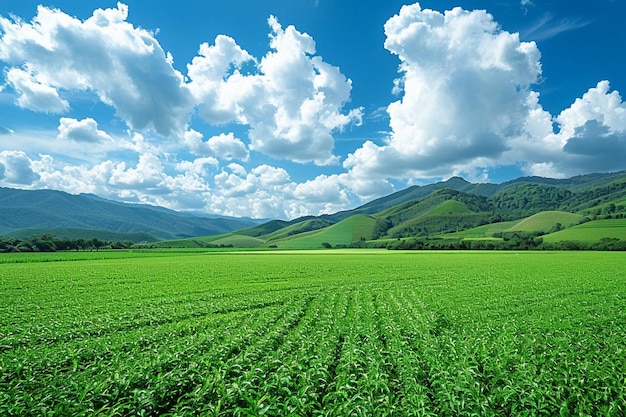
x=592, y=231
x=353, y=229
x=531, y=205
x=452, y=211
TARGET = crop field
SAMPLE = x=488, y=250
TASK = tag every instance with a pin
x=364, y=333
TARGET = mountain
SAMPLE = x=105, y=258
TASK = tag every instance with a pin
x=22, y=211
x=575, y=184
x=452, y=209
x=455, y=210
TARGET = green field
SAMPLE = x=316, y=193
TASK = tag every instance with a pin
x=364, y=333
x=591, y=231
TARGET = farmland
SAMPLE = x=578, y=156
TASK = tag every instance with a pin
x=313, y=333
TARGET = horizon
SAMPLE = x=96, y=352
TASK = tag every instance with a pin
x=288, y=109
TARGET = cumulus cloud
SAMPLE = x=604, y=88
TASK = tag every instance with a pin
x=266, y=190
x=199, y=166
x=591, y=137
x=85, y=130
x=224, y=146
x=5, y=131
x=123, y=65
x=148, y=174
x=214, y=72
x=35, y=95
x=17, y=168
x=292, y=101
x=465, y=87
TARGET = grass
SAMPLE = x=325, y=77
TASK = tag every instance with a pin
x=449, y=207
x=545, y=221
x=343, y=233
x=485, y=231
x=592, y=231
x=313, y=333
x=225, y=239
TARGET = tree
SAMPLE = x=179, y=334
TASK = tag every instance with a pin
x=97, y=243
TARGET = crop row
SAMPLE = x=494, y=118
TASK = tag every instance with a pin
x=443, y=334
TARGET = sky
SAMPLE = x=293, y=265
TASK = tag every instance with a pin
x=286, y=108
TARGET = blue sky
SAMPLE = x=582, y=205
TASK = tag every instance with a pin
x=278, y=109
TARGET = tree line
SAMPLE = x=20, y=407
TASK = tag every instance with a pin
x=50, y=243
x=510, y=241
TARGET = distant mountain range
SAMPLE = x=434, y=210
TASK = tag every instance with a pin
x=25, y=213
x=438, y=209
x=588, y=207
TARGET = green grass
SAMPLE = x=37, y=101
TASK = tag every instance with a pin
x=485, y=231
x=225, y=239
x=304, y=226
x=591, y=231
x=449, y=207
x=314, y=333
x=239, y=241
x=343, y=233
x=545, y=221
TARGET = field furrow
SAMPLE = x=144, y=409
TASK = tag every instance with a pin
x=318, y=333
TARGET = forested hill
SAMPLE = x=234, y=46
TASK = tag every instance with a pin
x=419, y=211
x=524, y=195
x=42, y=210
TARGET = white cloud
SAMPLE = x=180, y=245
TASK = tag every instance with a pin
x=85, y=130
x=597, y=104
x=269, y=176
x=591, y=136
x=34, y=95
x=224, y=146
x=123, y=65
x=465, y=95
x=212, y=73
x=198, y=166
x=265, y=191
x=148, y=174
x=292, y=102
x=548, y=27
x=17, y=168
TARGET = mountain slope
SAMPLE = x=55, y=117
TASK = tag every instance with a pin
x=47, y=209
x=528, y=205
x=353, y=229
x=576, y=184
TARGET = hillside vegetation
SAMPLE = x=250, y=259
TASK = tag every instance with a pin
x=524, y=213
x=516, y=213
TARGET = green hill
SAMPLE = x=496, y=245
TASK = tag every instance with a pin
x=546, y=221
x=304, y=226
x=265, y=228
x=352, y=229
x=592, y=231
x=481, y=232
x=226, y=239
x=442, y=211
x=529, y=205
x=542, y=222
